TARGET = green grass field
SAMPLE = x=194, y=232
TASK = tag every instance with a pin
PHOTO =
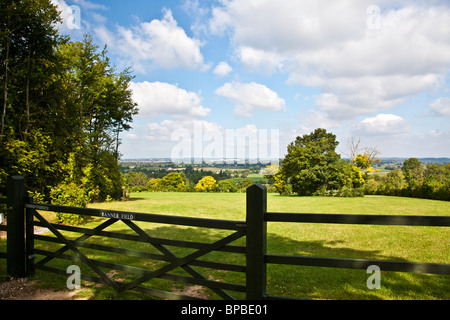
x=394, y=243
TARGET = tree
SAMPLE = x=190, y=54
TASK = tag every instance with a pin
x=308, y=162
x=274, y=173
x=362, y=160
x=244, y=184
x=228, y=185
x=394, y=183
x=154, y=185
x=173, y=182
x=412, y=169
x=29, y=34
x=63, y=104
x=413, y=172
x=312, y=167
x=136, y=179
x=206, y=184
x=28, y=41
x=436, y=184
x=365, y=162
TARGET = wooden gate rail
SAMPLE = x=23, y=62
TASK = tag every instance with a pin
x=128, y=218
x=20, y=254
x=257, y=194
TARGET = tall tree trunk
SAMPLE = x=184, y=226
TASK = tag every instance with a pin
x=117, y=142
x=5, y=90
x=27, y=96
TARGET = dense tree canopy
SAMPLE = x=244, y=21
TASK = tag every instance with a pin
x=63, y=105
x=312, y=166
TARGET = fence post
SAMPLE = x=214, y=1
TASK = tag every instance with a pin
x=256, y=276
x=29, y=239
x=15, y=242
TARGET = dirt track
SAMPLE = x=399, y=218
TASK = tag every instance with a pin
x=22, y=289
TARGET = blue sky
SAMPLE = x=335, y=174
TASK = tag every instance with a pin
x=376, y=70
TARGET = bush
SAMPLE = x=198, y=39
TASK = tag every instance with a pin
x=71, y=195
x=173, y=182
x=345, y=192
x=206, y=184
x=228, y=185
x=244, y=184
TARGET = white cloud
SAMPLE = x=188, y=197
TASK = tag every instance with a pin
x=164, y=131
x=250, y=97
x=158, y=98
x=383, y=125
x=222, y=69
x=441, y=106
x=317, y=119
x=131, y=136
x=160, y=42
x=220, y=21
x=90, y=5
x=260, y=60
x=359, y=70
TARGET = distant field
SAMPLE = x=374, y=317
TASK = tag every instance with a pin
x=395, y=243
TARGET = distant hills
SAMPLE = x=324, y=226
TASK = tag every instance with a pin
x=383, y=160
x=423, y=160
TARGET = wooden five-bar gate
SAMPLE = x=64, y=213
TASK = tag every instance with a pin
x=23, y=216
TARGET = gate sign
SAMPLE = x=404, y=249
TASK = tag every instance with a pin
x=117, y=215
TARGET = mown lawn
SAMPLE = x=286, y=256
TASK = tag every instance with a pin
x=394, y=243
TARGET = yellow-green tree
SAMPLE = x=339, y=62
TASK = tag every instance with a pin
x=365, y=162
x=206, y=184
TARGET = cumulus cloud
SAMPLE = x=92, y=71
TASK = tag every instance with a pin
x=260, y=60
x=317, y=119
x=250, y=97
x=222, y=69
x=160, y=42
x=329, y=45
x=159, y=98
x=441, y=107
x=383, y=125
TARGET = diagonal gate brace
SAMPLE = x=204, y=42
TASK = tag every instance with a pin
x=84, y=237
x=80, y=254
x=183, y=261
x=169, y=254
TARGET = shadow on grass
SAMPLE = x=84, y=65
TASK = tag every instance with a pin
x=339, y=283
x=282, y=280
x=133, y=199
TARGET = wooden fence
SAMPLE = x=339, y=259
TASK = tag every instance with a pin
x=21, y=251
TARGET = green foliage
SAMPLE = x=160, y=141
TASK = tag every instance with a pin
x=413, y=180
x=274, y=173
x=72, y=195
x=244, y=184
x=312, y=167
x=228, y=185
x=172, y=182
x=32, y=159
x=136, y=181
x=153, y=185
x=63, y=106
x=365, y=162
